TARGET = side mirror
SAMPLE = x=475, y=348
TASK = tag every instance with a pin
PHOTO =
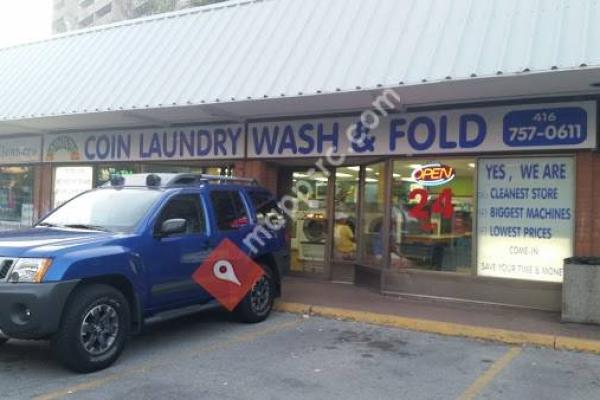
x=173, y=226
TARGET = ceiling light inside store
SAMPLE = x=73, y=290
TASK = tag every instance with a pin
x=471, y=165
x=299, y=175
x=414, y=165
x=321, y=179
x=411, y=180
x=343, y=175
x=371, y=180
x=357, y=168
x=397, y=175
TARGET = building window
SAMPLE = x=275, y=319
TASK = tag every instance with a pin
x=308, y=222
x=371, y=246
x=70, y=182
x=525, y=216
x=346, y=213
x=432, y=214
x=16, y=197
x=105, y=172
x=104, y=10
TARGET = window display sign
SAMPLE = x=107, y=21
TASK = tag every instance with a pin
x=71, y=181
x=434, y=174
x=16, y=150
x=525, y=214
x=508, y=128
x=185, y=143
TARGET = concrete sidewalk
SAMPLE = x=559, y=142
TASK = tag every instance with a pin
x=501, y=323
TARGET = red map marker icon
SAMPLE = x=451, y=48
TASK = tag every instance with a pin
x=228, y=274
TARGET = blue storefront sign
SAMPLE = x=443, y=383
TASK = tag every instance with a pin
x=187, y=143
x=510, y=128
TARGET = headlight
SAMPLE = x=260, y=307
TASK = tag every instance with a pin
x=29, y=270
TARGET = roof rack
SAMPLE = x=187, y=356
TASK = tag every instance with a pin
x=190, y=179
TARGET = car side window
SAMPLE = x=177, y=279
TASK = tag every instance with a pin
x=184, y=206
x=265, y=205
x=230, y=211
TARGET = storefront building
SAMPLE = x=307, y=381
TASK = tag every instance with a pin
x=473, y=188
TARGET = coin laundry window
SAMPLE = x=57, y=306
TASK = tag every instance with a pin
x=432, y=214
x=16, y=197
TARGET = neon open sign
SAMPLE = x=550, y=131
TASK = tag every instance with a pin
x=433, y=174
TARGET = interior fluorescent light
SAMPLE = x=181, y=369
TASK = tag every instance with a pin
x=408, y=180
x=414, y=165
x=471, y=165
x=343, y=175
x=357, y=168
x=371, y=180
x=397, y=175
x=299, y=175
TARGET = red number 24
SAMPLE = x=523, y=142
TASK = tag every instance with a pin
x=442, y=205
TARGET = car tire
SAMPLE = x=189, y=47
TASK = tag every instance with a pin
x=3, y=340
x=258, y=303
x=94, y=328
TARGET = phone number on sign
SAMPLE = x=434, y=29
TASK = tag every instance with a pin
x=551, y=132
x=548, y=127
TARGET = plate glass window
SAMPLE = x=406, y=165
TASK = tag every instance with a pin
x=432, y=214
x=16, y=197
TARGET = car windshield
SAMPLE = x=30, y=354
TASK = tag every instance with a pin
x=117, y=210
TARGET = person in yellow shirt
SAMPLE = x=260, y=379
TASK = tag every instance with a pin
x=344, y=242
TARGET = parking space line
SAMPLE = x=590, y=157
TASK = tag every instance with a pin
x=488, y=376
x=95, y=383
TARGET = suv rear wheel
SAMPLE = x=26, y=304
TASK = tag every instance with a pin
x=258, y=303
x=3, y=340
x=94, y=328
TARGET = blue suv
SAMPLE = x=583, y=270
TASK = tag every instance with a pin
x=111, y=260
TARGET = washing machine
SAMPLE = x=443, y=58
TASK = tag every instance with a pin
x=311, y=235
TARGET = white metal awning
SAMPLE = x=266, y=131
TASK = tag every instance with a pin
x=265, y=58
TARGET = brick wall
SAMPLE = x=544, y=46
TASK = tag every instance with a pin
x=262, y=171
x=42, y=190
x=587, y=205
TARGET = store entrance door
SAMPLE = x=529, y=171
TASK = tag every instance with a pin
x=308, y=225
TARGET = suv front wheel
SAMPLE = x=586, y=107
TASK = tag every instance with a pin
x=94, y=328
x=258, y=303
x=3, y=340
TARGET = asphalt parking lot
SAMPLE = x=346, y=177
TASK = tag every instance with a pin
x=209, y=356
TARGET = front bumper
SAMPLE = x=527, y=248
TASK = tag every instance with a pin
x=33, y=310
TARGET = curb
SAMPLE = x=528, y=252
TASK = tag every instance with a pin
x=445, y=328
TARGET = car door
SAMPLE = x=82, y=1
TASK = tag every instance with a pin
x=231, y=216
x=174, y=258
